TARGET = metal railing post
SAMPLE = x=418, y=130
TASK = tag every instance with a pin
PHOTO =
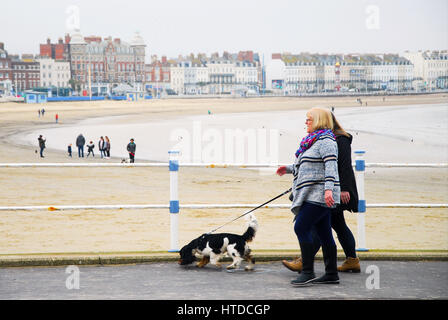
x=359, y=174
x=174, y=201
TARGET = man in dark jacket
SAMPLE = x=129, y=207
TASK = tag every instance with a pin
x=131, y=150
x=80, y=142
x=41, y=145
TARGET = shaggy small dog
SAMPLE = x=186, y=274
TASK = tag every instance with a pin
x=212, y=247
x=125, y=160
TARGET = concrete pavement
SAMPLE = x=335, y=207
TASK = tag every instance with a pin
x=270, y=281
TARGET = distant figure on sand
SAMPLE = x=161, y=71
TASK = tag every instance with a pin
x=101, y=145
x=38, y=112
x=131, y=150
x=90, y=147
x=56, y=117
x=69, y=150
x=41, y=140
x=43, y=112
x=80, y=142
x=107, y=147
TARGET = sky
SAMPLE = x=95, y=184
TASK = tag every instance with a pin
x=174, y=27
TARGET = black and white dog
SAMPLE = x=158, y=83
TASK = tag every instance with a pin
x=212, y=247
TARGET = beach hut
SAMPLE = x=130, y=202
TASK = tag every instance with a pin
x=35, y=97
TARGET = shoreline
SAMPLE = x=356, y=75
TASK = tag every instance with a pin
x=142, y=230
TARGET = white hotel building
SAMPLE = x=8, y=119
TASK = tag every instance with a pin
x=430, y=69
x=312, y=73
x=214, y=75
x=54, y=73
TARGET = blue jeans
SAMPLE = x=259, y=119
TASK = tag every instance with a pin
x=81, y=152
x=314, y=217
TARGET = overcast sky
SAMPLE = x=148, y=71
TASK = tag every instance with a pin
x=173, y=27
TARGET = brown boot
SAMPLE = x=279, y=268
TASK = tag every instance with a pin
x=295, y=265
x=350, y=265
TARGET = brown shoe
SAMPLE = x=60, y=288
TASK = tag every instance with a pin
x=295, y=265
x=350, y=265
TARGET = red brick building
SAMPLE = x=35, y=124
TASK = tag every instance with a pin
x=57, y=51
x=110, y=61
x=25, y=73
x=157, y=70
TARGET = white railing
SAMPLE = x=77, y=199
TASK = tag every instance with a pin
x=174, y=205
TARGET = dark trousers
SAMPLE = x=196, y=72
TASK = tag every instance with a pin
x=42, y=152
x=131, y=157
x=344, y=234
x=314, y=217
x=81, y=152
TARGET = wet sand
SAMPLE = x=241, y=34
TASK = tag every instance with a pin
x=145, y=230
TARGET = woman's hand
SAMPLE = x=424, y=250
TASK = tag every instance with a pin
x=281, y=170
x=329, y=198
x=345, y=197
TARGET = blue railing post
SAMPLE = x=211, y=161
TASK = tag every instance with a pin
x=174, y=201
x=359, y=173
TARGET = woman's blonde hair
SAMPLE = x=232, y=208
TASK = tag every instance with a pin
x=322, y=119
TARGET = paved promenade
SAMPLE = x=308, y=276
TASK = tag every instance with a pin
x=270, y=281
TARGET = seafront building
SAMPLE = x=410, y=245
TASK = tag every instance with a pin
x=102, y=64
x=5, y=71
x=319, y=73
x=54, y=73
x=25, y=72
x=92, y=65
x=226, y=74
x=157, y=75
x=430, y=69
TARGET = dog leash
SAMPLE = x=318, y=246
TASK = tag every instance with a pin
x=261, y=205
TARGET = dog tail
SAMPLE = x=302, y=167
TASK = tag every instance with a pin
x=252, y=227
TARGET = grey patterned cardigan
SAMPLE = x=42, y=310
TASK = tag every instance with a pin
x=315, y=171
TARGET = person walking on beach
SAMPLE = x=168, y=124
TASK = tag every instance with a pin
x=43, y=112
x=69, y=150
x=107, y=146
x=80, y=142
x=131, y=150
x=349, y=202
x=41, y=140
x=315, y=192
x=101, y=147
x=56, y=117
x=38, y=112
x=90, y=147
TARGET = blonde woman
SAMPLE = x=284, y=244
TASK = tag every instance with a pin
x=315, y=192
x=349, y=202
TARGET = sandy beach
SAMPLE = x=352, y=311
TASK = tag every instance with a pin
x=148, y=230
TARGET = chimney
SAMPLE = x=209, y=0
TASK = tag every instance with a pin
x=60, y=41
x=67, y=38
x=48, y=41
x=164, y=59
x=276, y=56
